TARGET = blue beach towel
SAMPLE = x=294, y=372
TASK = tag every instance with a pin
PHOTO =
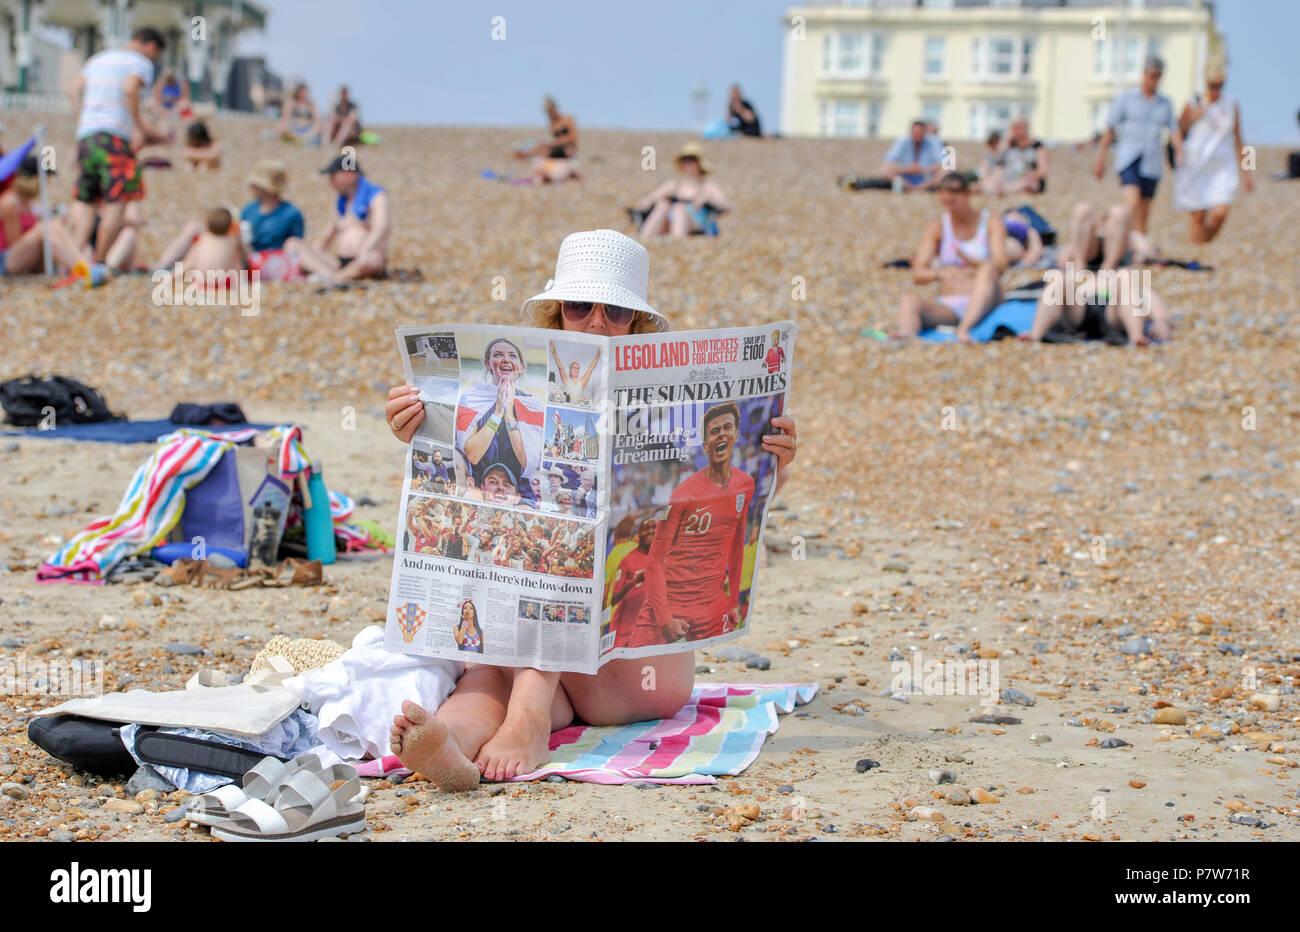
x=1015, y=315
x=120, y=431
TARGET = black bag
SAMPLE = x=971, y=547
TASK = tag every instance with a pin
x=26, y=401
x=86, y=743
x=96, y=747
x=221, y=414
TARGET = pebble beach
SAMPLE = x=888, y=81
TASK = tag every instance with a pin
x=1111, y=528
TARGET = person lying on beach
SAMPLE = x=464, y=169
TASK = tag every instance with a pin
x=686, y=205
x=201, y=150
x=1113, y=307
x=557, y=159
x=498, y=721
x=971, y=252
x=22, y=231
x=356, y=244
x=215, y=247
x=1104, y=241
x=1024, y=244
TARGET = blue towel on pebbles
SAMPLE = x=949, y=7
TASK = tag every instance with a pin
x=1017, y=316
x=121, y=431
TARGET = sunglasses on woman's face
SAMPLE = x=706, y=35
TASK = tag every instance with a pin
x=575, y=312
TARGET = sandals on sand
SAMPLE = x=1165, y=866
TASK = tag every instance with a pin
x=264, y=782
x=311, y=806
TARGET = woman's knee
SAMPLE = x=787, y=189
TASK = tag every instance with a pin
x=1081, y=213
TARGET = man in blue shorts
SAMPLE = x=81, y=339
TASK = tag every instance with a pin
x=1135, y=124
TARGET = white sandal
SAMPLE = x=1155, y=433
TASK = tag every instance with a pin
x=264, y=782
x=308, y=808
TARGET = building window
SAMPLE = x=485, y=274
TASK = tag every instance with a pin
x=1001, y=58
x=875, y=113
x=985, y=116
x=932, y=112
x=842, y=118
x=853, y=54
x=1116, y=59
x=936, y=49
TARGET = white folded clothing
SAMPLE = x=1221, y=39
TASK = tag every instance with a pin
x=356, y=696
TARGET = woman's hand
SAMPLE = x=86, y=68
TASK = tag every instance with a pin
x=506, y=399
x=783, y=445
x=404, y=411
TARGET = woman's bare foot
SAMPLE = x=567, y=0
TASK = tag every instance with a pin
x=424, y=745
x=520, y=745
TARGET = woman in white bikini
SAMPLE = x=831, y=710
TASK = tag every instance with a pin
x=971, y=249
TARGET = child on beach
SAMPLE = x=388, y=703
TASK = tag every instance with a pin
x=216, y=248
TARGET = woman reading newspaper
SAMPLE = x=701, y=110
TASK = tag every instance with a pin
x=497, y=723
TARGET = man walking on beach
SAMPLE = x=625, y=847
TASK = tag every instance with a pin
x=110, y=130
x=1136, y=120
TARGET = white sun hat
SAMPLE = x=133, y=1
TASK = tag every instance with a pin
x=602, y=266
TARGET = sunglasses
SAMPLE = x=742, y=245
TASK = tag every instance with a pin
x=575, y=312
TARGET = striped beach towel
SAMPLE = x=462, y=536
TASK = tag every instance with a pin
x=150, y=508
x=719, y=732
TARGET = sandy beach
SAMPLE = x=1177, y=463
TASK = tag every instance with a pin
x=1040, y=508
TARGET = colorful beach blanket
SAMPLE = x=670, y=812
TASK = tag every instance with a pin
x=719, y=732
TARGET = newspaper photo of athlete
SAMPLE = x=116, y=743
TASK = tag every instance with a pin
x=693, y=572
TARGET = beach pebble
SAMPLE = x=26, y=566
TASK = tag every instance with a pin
x=124, y=806
x=1137, y=646
x=11, y=642
x=1170, y=716
x=895, y=566
x=146, y=778
x=1266, y=701
x=1117, y=708
x=942, y=776
x=1015, y=697
x=983, y=797
x=734, y=653
x=925, y=814
x=13, y=791
x=990, y=719
x=865, y=764
x=553, y=778
x=1110, y=743
x=180, y=647
x=176, y=814
x=221, y=561
x=62, y=835
x=758, y=663
x=703, y=668
x=957, y=796
x=1236, y=650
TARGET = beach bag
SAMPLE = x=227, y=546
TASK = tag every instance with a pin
x=87, y=744
x=248, y=709
x=28, y=401
x=96, y=747
x=1046, y=232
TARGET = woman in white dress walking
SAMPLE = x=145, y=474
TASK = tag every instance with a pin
x=1206, y=182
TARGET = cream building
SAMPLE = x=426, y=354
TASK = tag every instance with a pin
x=868, y=68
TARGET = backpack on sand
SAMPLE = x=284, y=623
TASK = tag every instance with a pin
x=28, y=401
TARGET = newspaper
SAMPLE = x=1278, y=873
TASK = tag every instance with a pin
x=571, y=498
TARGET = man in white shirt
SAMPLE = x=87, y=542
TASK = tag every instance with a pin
x=110, y=129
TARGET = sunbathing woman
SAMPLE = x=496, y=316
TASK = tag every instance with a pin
x=689, y=204
x=201, y=150
x=498, y=722
x=298, y=118
x=556, y=160
x=22, y=232
x=972, y=254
